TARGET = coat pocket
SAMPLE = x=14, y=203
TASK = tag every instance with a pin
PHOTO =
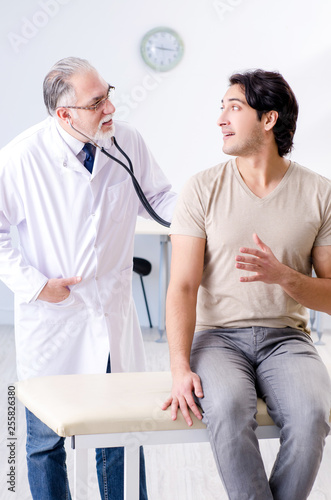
x=69, y=314
x=119, y=199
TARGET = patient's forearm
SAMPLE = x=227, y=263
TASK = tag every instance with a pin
x=314, y=293
x=180, y=322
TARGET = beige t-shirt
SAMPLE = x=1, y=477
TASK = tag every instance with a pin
x=217, y=205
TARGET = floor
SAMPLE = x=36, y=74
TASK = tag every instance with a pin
x=174, y=472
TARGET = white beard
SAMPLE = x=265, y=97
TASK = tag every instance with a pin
x=100, y=135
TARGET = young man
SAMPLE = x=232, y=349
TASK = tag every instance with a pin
x=245, y=235
x=71, y=275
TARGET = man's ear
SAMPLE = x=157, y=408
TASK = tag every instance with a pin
x=63, y=114
x=270, y=119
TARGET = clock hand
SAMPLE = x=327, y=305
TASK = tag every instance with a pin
x=164, y=48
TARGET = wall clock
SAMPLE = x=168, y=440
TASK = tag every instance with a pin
x=162, y=48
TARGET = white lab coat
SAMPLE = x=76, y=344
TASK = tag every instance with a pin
x=72, y=223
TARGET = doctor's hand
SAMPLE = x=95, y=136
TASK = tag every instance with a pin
x=263, y=263
x=184, y=384
x=56, y=289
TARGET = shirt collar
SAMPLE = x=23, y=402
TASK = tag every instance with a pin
x=74, y=144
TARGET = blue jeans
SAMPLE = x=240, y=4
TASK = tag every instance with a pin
x=47, y=471
x=282, y=366
x=46, y=459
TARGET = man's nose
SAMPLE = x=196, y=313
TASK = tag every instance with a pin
x=109, y=108
x=222, y=120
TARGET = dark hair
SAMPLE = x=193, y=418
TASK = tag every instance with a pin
x=266, y=91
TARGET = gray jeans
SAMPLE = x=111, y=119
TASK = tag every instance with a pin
x=282, y=366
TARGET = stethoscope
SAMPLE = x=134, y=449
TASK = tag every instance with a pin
x=130, y=171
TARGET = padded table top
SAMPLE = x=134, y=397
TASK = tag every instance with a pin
x=100, y=404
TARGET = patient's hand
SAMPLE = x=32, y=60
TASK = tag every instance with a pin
x=184, y=383
x=262, y=262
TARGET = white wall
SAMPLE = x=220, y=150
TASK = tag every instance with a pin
x=176, y=112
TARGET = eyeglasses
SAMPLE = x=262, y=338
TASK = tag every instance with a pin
x=96, y=106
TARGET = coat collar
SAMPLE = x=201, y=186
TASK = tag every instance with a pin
x=74, y=144
x=68, y=147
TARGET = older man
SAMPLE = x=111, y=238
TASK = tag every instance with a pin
x=75, y=210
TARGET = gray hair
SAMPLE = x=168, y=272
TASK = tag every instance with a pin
x=57, y=89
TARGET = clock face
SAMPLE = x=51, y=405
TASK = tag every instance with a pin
x=162, y=49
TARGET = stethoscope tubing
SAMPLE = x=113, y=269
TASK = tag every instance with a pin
x=136, y=185
x=141, y=195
